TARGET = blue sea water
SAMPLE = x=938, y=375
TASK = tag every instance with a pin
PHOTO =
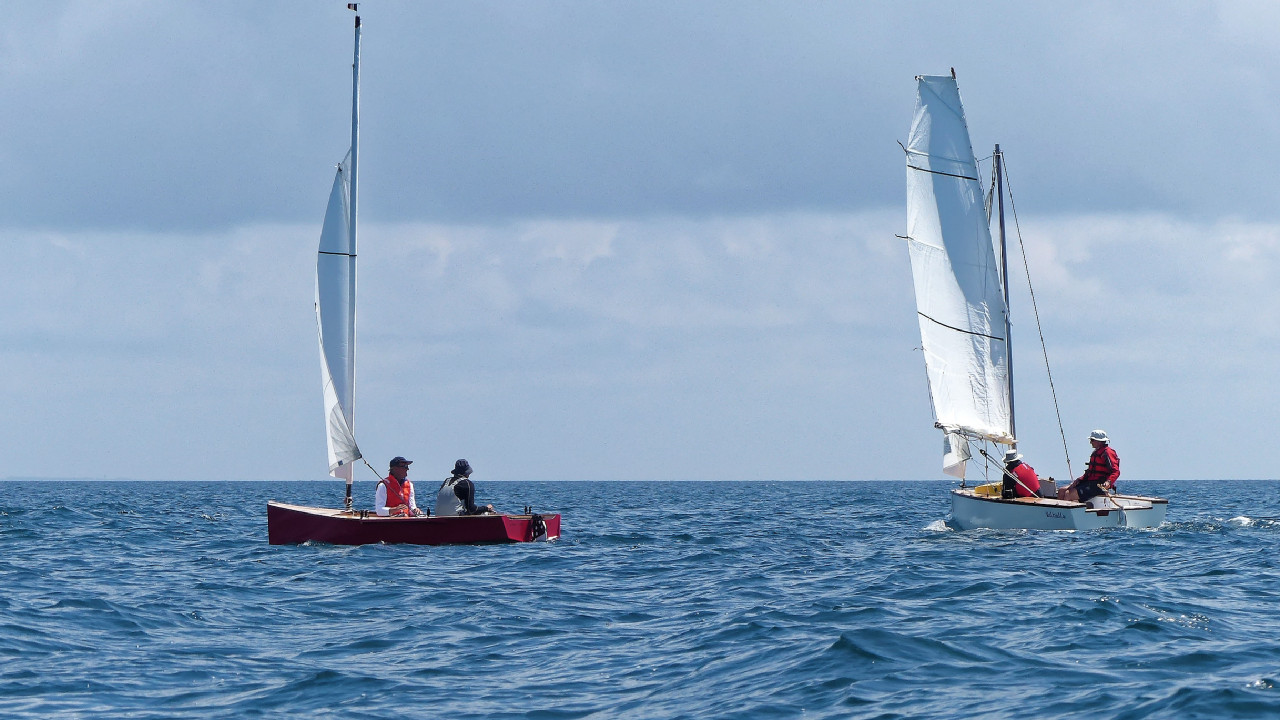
x=661, y=600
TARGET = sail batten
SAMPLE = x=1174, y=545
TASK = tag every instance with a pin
x=959, y=295
x=939, y=172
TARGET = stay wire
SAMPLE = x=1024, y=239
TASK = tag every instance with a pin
x=1007, y=474
x=1036, y=310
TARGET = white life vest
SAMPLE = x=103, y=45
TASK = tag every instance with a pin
x=447, y=502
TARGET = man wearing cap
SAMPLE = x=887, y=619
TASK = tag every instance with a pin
x=1021, y=476
x=395, y=492
x=457, y=495
x=1100, y=474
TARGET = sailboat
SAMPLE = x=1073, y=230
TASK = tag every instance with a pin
x=962, y=300
x=336, y=318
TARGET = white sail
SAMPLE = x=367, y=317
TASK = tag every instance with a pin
x=958, y=292
x=336, y=299
x=336, y=317
x=955, y=454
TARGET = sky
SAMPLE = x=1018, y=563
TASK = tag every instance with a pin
x=625, y=240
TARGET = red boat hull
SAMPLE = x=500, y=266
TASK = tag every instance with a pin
x=294, y=524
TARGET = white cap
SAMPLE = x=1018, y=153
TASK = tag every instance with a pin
x=1100, y=436
x=1012, y=456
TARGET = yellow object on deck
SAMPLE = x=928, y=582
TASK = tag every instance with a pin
x=992, y=490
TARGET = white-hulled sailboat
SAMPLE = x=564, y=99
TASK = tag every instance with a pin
x=336, y=317
x=962, y=302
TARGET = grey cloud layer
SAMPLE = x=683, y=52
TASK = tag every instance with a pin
x=158, y=116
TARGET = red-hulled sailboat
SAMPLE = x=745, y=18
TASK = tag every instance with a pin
x=293, y=524
x=336, y=316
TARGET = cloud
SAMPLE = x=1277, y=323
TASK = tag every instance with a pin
x=578, y=242
x=513, y=338
x=193, y=118
x=673, y=273
x=742, y=347
x=1158, y=328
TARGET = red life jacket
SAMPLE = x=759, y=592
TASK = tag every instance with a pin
x=1104, y=466
x=1026, y=476
x=398, y=494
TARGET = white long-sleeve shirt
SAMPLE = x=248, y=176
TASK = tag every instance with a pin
x=380, y=500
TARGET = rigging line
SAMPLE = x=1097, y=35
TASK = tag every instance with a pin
x=933, y=407
x=366, y=464
x=989, y=200
x=1043, y=348
x=939, y=172
x=962, y=330
x=957, y=161
x=986, y=461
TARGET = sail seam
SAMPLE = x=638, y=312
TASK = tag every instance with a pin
x=952, y=327
x=326, y=252
x=939, y=172
x=943, y=101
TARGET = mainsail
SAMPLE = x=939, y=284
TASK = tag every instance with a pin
x=336, y=317
x=336, y=299
x=958, y=292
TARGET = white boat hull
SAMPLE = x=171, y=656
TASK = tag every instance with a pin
x=970, y=510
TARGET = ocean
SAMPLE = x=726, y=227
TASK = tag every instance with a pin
x=660, y=600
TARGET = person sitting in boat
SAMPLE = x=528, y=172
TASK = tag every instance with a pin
x=1024, y=480
x=457, y=494
x=1100, y=474
x=395, y=491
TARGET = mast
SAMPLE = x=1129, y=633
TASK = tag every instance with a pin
x=355, y=131
x=355, y=137
x=336, y=303
x=1004, y=282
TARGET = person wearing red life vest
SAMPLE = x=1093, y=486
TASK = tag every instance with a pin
x=1100, y=474
x=1027, y=483
x=395, y=492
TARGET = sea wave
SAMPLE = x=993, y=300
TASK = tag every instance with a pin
x=706, y=600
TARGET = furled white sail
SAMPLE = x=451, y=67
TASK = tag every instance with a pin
x=958, y=292
x=955, y=454
x=336, y=316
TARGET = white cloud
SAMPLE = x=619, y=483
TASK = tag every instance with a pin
x=1159, y=328
x=768, y=346
x=578, y=242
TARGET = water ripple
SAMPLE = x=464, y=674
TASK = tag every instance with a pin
x=697, y=600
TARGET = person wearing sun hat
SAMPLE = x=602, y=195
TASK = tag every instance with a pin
x=457, y=494
x=1021, y=476
x=1100, y=474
